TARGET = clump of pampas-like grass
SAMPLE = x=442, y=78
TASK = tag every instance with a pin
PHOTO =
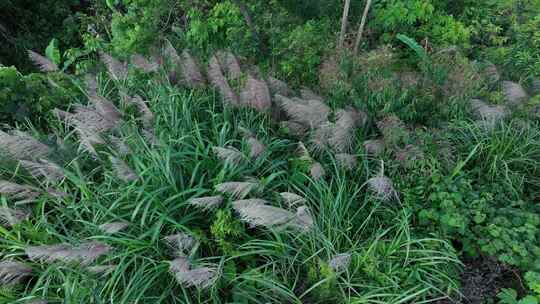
x=122, y=170
x=117, y=70
x=11, y=216
x=186, y=274
x=84, y=254
x=13, y=272
x=22, y=194
x=42, y=62
x=238, y=190
x=21, y=146
x=207, y=203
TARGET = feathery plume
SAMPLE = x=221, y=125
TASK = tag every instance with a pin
x=489, y=116
x=292, y=199
x=101, y=269
x=56, y=193
x=374, y=147
x=382, y=187
x=257, y=212
x=491, y=73
x=120, y=145
x=207, y=203
x=105, y=108
x=514, y=93
x=321, y=137
x=256, y=148
x=142, y=107
x=308, y=94
x=10, y=217
x=91, y=84
x=150, y=136
x=237, y=190
x=294, y=128
x=44, y=64
x=84, y=254
x=21, y=193
x=256, y=94
x=311, y=113
x=113, y=227
x=393, y=129
x=169, y=52
x=219, y=81
x=122, y=170
x=180, y=242
x=200, y=277
x=317, y=171
x=277, y=86
x=340, y=262
x=346, y=161
x=230, y=64
x=409, y=155
x=13, y=272
x=229, y=155
x=343, y=132
x=144, y=64
x=192, y=75
x=20, y=145
x=303, y=219
x=117, y=69
x=44, y=169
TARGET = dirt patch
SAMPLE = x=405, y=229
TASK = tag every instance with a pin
x=482, y=279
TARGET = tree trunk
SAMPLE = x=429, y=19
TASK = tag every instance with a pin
x=344, y=20
x=361, y=28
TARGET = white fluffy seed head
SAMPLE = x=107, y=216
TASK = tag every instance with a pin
x=44, y=169
x=19, y=145
x=13, y=272
x=256, y=148
x=117, y=70
x=144, y=64
x=258, y=212
x=382, y=187
x=340, y=262
x=311, y=113
x=84, y=254
x=181, y=243
x=199, y=277
x=317, y=171
x=374, y=147
x=229, y=155
x=237, y=190
x=207, y=203
x=22, y=194
x=44, y=64
x=346, y=161
x=122, y=170
x=113, y=227
x=292, y=199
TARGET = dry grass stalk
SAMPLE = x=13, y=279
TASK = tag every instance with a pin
x=10, y=217
x=117, y=70
x=186, y=274
x=22, y=194
x=122, y=170
x=13, y=272
x=44, y=169
x=237, y=190
x=44, y=64
x=84, y=254
x=207, y=203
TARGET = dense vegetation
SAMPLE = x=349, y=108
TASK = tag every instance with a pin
x=170, y=151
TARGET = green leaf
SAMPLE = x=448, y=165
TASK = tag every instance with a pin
x=52, y=52
x=411, y=43
x=528, y=300
x=507, y=296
